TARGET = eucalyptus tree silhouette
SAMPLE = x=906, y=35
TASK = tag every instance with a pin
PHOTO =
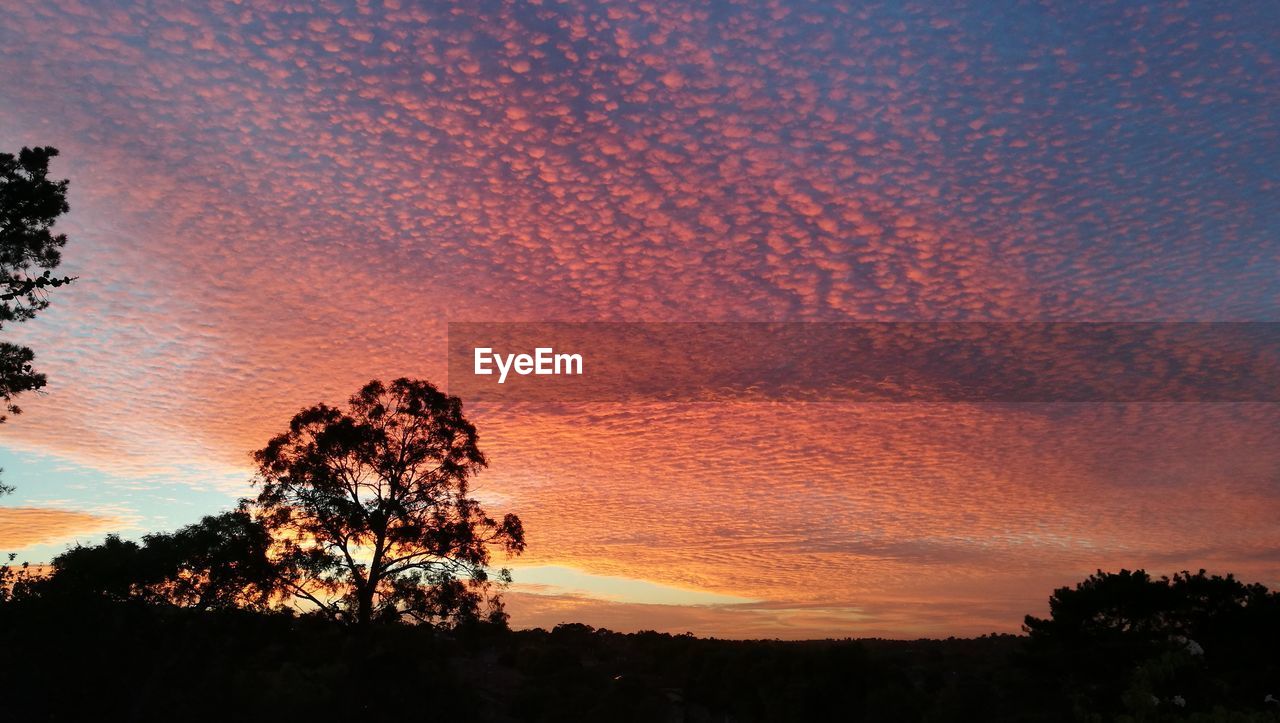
x=371, y=509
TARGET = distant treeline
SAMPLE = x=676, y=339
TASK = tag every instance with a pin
x=1122, y=646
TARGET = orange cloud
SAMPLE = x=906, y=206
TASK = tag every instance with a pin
x=25, y=526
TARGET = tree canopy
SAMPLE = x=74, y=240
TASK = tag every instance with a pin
x=220, y=562
x=1128, y=640
x=1134, y=606
x=30, y=203
x=371, y=507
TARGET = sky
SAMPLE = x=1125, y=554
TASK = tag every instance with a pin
x=274, y=202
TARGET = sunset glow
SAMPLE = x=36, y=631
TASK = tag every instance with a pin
x=272, y=205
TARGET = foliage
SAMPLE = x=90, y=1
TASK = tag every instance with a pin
x=15, y=580
x=221, y=562
x=29, y=205
x=76, y=659
x=136, y=659
x=372, y=509
x=1119, y=641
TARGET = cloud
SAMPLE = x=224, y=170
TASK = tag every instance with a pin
x=25, y=526
x=272, y=205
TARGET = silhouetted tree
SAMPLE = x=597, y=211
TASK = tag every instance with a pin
x=1134, y=606
x=220, y=562
x=15, y=579
x=29, y=251
x=1106, y=606
x=1118, y=641
x=372, y=507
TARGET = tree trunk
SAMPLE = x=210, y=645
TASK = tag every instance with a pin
x=364, y=604
x=364, y=614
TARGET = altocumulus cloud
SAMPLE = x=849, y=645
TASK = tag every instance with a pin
x=313, y=193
